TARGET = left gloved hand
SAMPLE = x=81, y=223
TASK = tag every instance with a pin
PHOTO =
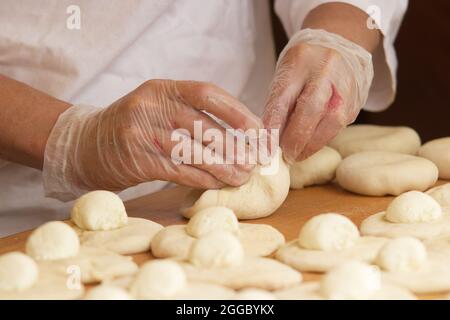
x=321, y=83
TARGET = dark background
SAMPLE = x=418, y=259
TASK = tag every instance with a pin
x=423, y=51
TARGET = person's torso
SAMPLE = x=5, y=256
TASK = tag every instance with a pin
x=119, y=45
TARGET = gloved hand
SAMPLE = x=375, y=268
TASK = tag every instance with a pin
x=321, y=83
x=129, y=142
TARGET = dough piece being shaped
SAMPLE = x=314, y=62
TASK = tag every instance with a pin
x=259, y=197
x=413, y=207
x=53, y=240
x=48, y=286
x=17, y=271
x=377, y=225
x=107, y=292
x=432, y=276
x=377, y=173
x=320, y=168
x=441, y=194
x=217, y=250
x=158, y=279
x=311, y=291
x=365, y=137
x=326, y=241
x=402, y=255
x=438, y=151
x=92, y=265
x=212, y=219
x=259, y=273
x=254, y=294
x=99, y=210
x=328, y=232
x=256, y=240
x=135, y=237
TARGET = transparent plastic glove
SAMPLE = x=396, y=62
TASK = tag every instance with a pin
x=321, y=83
x=130, y=142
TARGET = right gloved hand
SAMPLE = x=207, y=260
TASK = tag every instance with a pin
x=129, y=142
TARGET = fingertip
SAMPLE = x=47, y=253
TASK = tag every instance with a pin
x=214, y=185
x=239, y=178
x=288, y=155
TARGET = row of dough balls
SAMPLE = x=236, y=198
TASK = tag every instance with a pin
x=377, y=161
x=217, y=264
x=216, y=253
x=409, y=244
x=60, y=258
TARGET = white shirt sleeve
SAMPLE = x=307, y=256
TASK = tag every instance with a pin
x=384, y=85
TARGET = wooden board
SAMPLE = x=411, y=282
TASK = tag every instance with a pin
x=301, y=205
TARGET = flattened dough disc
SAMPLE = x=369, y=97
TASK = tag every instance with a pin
x=366, y=137
x=438, y=151
x=376, y=225
x=432, y=277
x=49, y=286
x=261, y=273
x=310, y=291
x=192, y=291
x=256, y=239
x=95, y=265
x=365, y=249
x=133, y=238
x=377, y=173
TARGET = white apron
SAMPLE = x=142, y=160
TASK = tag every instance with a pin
x=121, y=44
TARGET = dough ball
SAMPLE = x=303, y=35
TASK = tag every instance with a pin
x=320, y=168
x=364, y=137
x=377, y=173
x=259, y=197
x=413, y=207
x=217, y=250
x=402, y=254
x=17, y=272
x=438, y=151
x=328, y=232
x=158, y=279
x=441, y=194
x=107, y=292
x=53, y=240
x=99, y=210
x=350, y=281
x=172, y=242
x=212, y=219
x=254, y=294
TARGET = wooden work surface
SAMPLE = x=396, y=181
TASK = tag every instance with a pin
x=163, y=207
